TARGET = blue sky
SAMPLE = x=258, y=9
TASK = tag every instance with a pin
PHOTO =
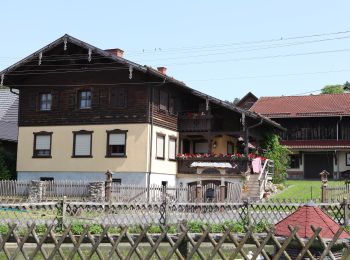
x=207, y=44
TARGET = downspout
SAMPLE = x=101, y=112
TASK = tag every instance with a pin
x=336, y=152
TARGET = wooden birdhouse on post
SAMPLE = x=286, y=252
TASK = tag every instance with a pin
x=324, y=186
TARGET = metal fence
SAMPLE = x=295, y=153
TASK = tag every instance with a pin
x=111, y=213
x=52, y=242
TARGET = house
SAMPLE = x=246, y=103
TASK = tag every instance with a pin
x=83, y=111
x=318, y=131
x=8, y=127
x=247, y=101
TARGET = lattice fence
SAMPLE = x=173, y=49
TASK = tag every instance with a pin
x=52, y=242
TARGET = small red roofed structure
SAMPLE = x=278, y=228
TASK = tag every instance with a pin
x=306, y=216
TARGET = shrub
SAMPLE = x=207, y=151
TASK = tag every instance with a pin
x=40, y=228
x=77, y=228
x=95, y=229
x=154, y=229
x=4, y=229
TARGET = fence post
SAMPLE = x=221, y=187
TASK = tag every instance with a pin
x=162, y=209
x=108, y=186
x=199, y=192
x=222, y=193
x=346, y=211
x=62, y=212
x=64, y=209
x=249, y=217
x=324, y=186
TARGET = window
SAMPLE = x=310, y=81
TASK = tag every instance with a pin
x=116, y=143
x=230, y=148
x=82, y=144
x=172, y=106
x=45, y=101
x=201, y=147
x=117, y=181
x=160, y=146
x=172, y=149
x=84, y=99
x=163, y=100
x=119, y=97
x=42, y=145
x=295, y=161
x=46, y=179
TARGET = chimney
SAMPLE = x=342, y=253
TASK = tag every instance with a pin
x=162, y=70
x=116, y=52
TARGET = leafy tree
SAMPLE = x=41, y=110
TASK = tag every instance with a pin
x=333, y=89
x=5, y=173
x=236, y=100
x=273, y=150
x=7, y=164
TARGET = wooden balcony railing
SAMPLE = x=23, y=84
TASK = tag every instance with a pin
x=195, y=124
x=184, y=165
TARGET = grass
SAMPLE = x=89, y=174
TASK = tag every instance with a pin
x=303, y=189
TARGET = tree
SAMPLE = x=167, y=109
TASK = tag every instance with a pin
x=4, y=171
x=333, y=89
x=279, y=154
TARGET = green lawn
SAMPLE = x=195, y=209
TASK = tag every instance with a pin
x=303, y=189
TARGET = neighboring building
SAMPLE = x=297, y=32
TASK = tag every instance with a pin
x=83, y=111
x=247, y=101
x=8, y=120
x=318, y=131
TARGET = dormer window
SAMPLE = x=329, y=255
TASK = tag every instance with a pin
x=84, y=99
x=45, y=101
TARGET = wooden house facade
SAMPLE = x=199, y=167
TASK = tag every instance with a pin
x=83, y=111
x=318, y=132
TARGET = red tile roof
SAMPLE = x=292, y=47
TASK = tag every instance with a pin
x=317, y=144
x=306, y=216
x=303, y=106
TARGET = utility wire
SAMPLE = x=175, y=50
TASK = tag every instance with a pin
x=280, y=39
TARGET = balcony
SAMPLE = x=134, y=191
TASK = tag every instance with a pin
x=195, y=122
x=184, y=164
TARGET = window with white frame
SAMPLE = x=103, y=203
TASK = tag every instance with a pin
x=116, y=143
x=45, y=101
x=82, y=144
x=172, y=148
x=42, y=144
x=160, y=145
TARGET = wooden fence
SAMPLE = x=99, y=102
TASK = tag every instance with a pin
x=337, y=192
x=48, y=242
x=80, y=190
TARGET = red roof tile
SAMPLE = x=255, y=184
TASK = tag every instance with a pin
x=306, y=216
x=303, y=106
x=317, y=144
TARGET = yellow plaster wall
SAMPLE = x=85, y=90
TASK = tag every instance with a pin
x=221, y=144
x=62, y=147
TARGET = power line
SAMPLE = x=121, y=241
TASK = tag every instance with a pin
x=254, y=49
x=177, y=49
x=261, y=57
x=201, y=62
